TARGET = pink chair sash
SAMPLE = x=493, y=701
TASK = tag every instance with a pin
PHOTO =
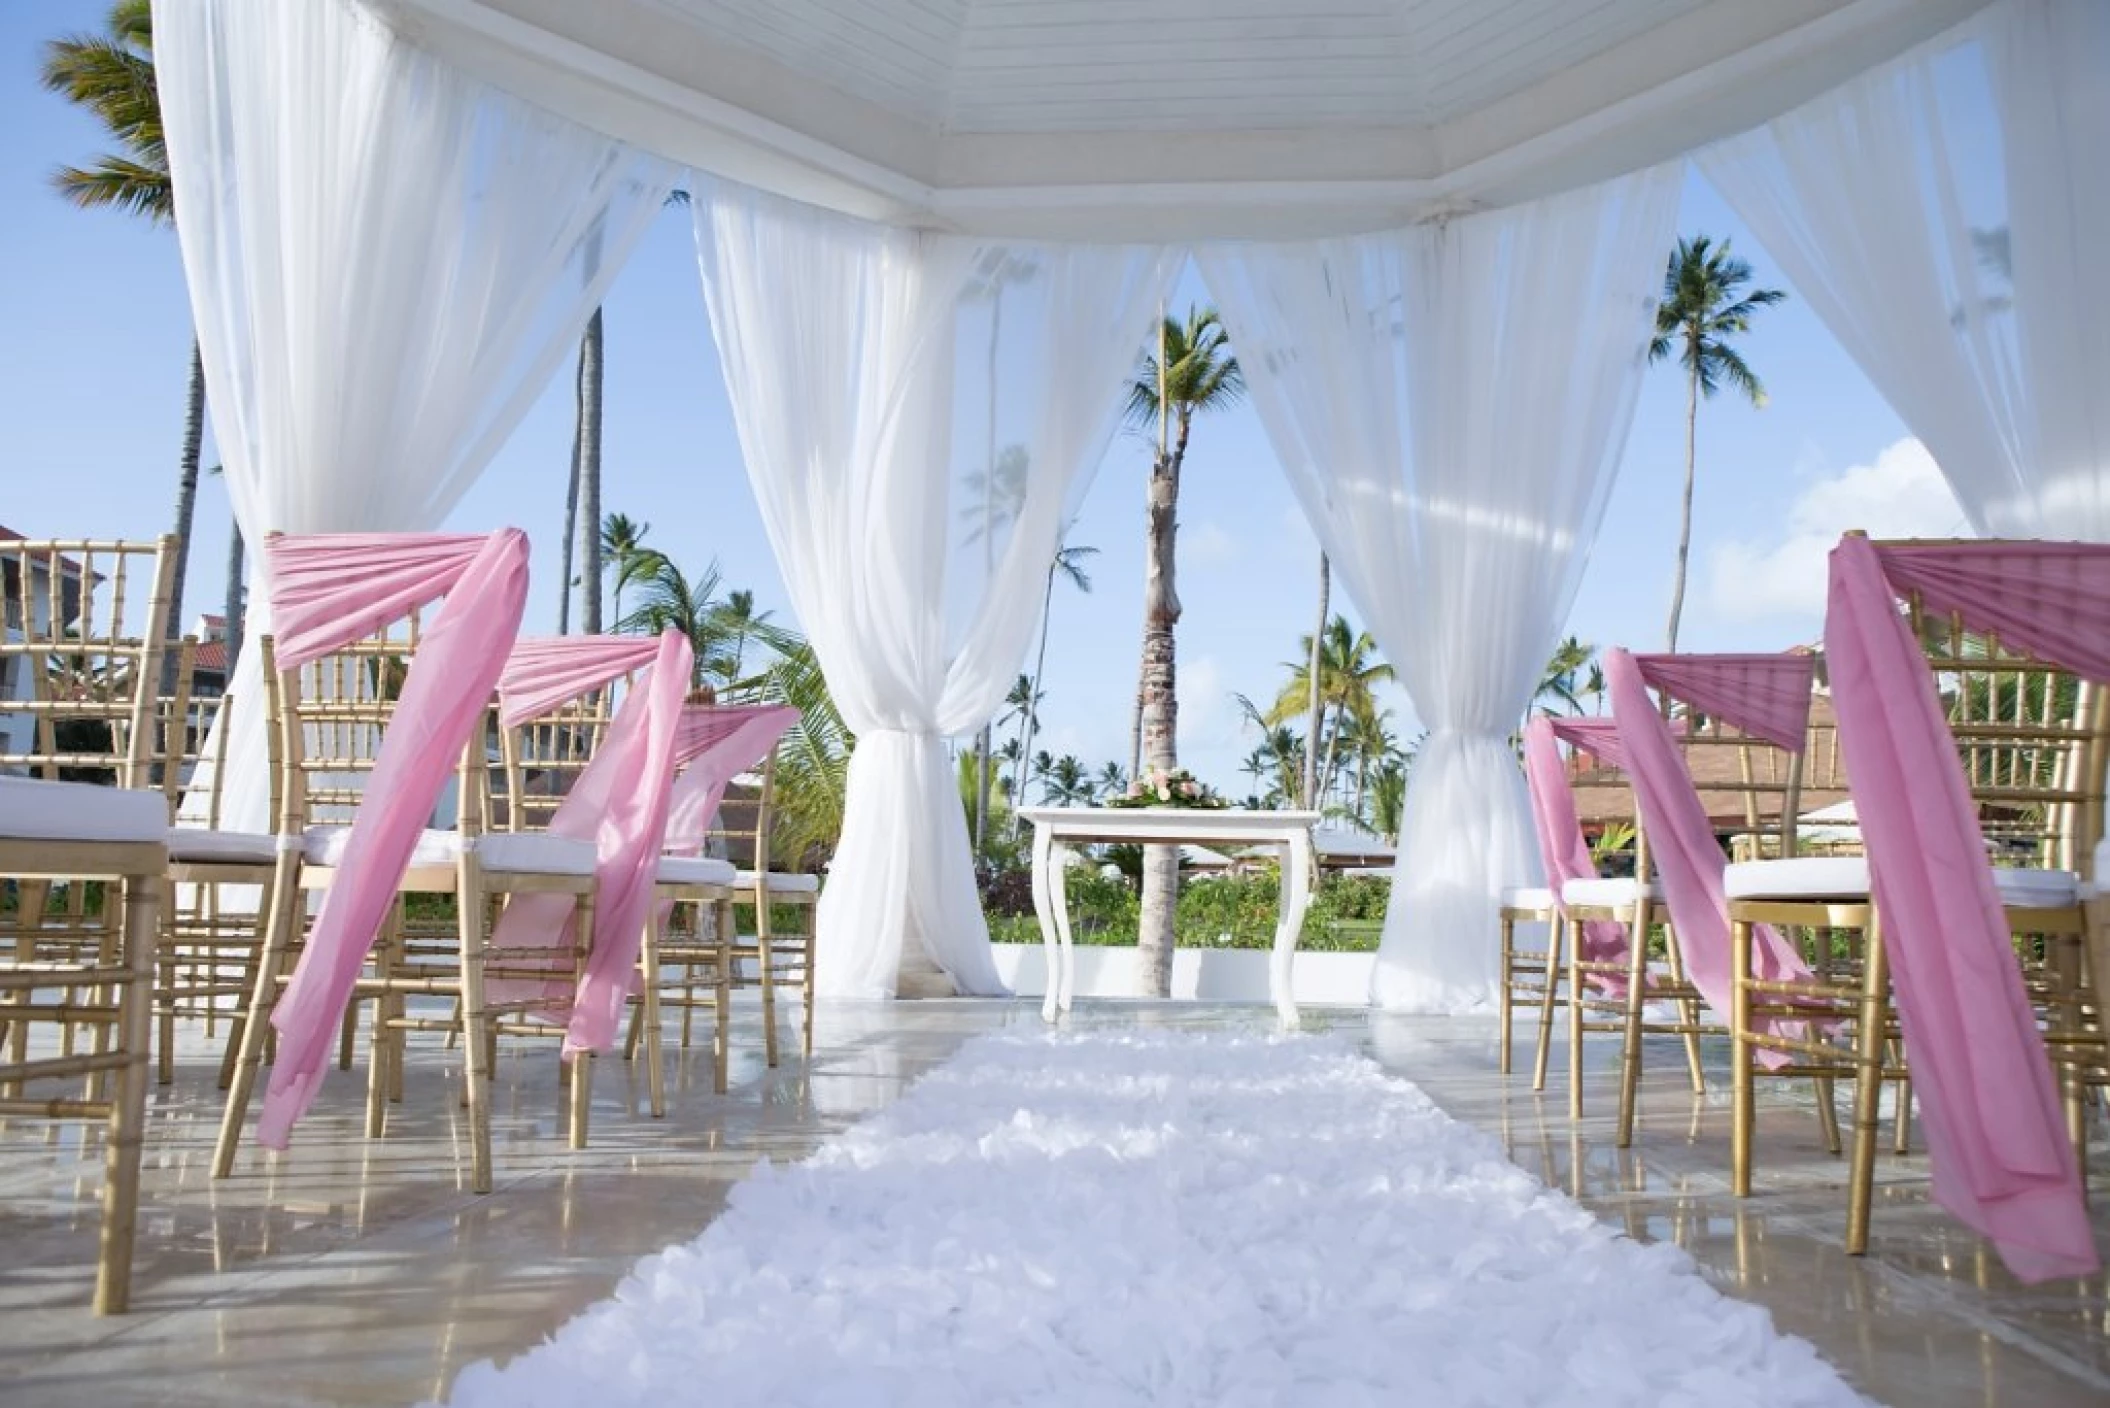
x=619, y=802
x=1767, y=696
x=544, y=672
x=1561, y=845
x=1996, y=1137
x=1688, y=860
x=716, y=743
x=327, y=591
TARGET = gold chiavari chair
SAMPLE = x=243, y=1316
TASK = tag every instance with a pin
x=2032, y=742
x=687, y=962
x=1530, y=977
x=82, y=851
x=211, y=931
x=1746, y=785
x=769, y=958
x=330, y=718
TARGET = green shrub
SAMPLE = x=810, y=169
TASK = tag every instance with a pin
x=1227, y=911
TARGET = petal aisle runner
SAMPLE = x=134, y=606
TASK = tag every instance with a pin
x=1162, y=1218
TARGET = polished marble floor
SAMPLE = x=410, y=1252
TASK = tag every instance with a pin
x=353, y=1272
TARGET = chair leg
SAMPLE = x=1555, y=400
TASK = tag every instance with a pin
x=1869, y=1042
x=1688, y=1010
x=806, y=996
x=277, y=920
x=1506, y=995
x=1630, y=1051
x=721, y=998
x=1741, y=1075
x=1575, y=1024
x=478, y=1036
x=127, y=1119
x=582, y=1062
x=1556, y=935
x=647, y=1013
x=767, y=959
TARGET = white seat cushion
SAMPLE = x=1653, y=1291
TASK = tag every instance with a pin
x=1805, y=877
x=2037, y=889
x=202, y=845
x=1528, y=897
x=503, y=853
x=324, y=845
x=695, y=870
x=34, y=810
x=1846, y=878
x=782, y=884
x=1600, y=893
x=535, y=853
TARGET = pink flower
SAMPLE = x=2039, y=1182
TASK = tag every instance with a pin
x=1135, y=789
x=1190, y=789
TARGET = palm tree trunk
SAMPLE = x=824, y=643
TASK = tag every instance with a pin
x=1032, y=722
x=590, y=474
x=186, y=505
x=1316, y=714
x=571, y=538
x=1161, y=614
x=232, y=606
x=1677, y=586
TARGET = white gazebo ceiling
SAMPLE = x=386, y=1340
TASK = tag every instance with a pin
x=1164, y=119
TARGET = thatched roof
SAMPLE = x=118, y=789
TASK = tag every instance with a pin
x=1602, y=797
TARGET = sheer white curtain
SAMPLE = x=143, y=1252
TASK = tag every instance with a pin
x=918, y=414
x=1450, y=402
x=1942, y=215
x=387, y=260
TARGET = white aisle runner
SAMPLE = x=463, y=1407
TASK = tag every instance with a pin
x=1162, y=1218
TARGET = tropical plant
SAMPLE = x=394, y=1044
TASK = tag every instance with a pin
x=669, y=599
x=1190, y=371
x=1066, y=783
x=623, y=547
x=1561, y=684
x=1348, y=673
x=1314, y=675
x=1388, y=799
x=1112, y=780
x=111, y=74
x=1705, y=306
x=813, y=760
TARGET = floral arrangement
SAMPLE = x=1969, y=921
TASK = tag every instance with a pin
x=1158, y=787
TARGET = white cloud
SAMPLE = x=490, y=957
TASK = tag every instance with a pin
x=1902, y=494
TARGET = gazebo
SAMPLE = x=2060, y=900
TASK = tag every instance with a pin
x=930, y=231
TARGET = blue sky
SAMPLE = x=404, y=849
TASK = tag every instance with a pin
x=98, y=318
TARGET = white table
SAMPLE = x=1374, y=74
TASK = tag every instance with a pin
x=1057, y=829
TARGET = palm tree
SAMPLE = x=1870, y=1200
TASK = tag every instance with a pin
x=1315, y=701
x=813, y=760
x=1112, y=780
x=1560, y=689
x=671, y=600
x=1345, y=686
x=1069, y=562
x=623, y=544
x=1704, y=306
x=1388, y=800
x=111, y=74
x=1067, y=783
x=1192, y=369
x=744, y=622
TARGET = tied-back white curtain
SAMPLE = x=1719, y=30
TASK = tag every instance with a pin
x=1450, y=402
x=1943, y=215
x=387, y=260
x=918, y=414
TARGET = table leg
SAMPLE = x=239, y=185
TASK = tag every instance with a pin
x=1296, y=896
x=1059, y=901
x=1044, y=911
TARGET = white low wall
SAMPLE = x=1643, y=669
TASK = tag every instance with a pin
x=1218, y=975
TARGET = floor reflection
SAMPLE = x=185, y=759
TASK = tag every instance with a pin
x=350, y=1270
